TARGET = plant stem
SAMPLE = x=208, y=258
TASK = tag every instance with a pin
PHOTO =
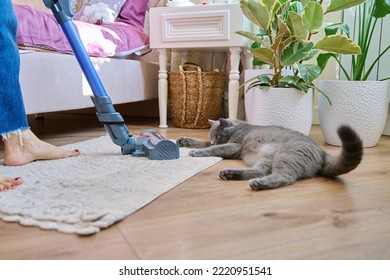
x=374, y=63
x=364, y=39
x=342, y=68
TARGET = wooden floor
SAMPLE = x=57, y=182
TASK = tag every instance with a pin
x=208, y=218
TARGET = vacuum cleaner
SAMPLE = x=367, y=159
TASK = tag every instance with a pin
x=149, y=143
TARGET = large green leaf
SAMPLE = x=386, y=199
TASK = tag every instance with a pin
x=283, y=28
x=304, y=2
x=381, y=8
x=338, y=44
x=296, y=6
x=331, y=29
x=322, y=59
x=258, y=62
x=311, y=54
x=261, y=81
x=309, y=72
x=291, y=81
x=252, y=37
x=256, y=12
x=270, y=5
x=295, y=24
x=277, y=42
x=255, y=61
x=338, y=5
x=276, y=7
x=295, y=52
x=312, y=17
x=264, y=54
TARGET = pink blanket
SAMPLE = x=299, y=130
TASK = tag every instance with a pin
x=40, y=29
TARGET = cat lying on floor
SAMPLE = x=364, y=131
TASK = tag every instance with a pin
x=275, y=156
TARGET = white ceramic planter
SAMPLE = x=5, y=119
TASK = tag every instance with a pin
x=361, y=104
x=285, y=107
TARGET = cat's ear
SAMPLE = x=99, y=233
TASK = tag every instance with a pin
x=225, y=123
x=211, y=122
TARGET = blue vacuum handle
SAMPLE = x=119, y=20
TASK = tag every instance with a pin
x=113, y=121
x=61, y=9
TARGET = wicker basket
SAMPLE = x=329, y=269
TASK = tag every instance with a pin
x=195, y=96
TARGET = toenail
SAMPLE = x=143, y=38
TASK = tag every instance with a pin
x=76, y=150
x=17, y=178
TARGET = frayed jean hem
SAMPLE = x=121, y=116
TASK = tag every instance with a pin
x=18, y=132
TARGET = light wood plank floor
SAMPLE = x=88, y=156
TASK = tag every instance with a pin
x=208, y=218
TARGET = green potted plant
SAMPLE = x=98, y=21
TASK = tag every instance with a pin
x=285, y=42
x=360, y=100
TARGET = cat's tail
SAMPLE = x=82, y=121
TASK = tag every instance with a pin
x=350, y=156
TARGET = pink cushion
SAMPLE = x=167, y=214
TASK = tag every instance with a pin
x=133, y=13
x=40, y=29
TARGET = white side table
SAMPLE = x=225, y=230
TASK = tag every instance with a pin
x=198, y=27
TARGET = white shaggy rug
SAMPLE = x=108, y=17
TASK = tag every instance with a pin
x=90, y=192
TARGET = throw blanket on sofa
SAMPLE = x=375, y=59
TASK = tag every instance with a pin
x=39, y=29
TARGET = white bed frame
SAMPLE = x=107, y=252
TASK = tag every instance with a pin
x=54, y=82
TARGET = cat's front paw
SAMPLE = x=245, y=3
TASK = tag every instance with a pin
x=259, y=184
x=184, y=142
x=226, y=174
x=197, y=153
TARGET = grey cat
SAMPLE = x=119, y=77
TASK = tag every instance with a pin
x=275, y=156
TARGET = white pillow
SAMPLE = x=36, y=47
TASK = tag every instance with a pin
x=97, y=11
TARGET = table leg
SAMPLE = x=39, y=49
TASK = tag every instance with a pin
x=247, y=60
x=163, y=87
x=234, y=83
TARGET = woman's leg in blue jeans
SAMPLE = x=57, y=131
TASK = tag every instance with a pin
x=12, y=112
x=21, y=146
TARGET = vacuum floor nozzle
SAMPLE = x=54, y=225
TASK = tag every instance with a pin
x=155, y=147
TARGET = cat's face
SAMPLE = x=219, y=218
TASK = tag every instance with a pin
x=220, y=131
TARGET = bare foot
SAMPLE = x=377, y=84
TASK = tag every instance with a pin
x=32, y=149
x=7, y=183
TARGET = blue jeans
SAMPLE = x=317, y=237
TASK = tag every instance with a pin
x=12, y=112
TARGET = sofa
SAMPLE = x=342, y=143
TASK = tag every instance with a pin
x=50, y=76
